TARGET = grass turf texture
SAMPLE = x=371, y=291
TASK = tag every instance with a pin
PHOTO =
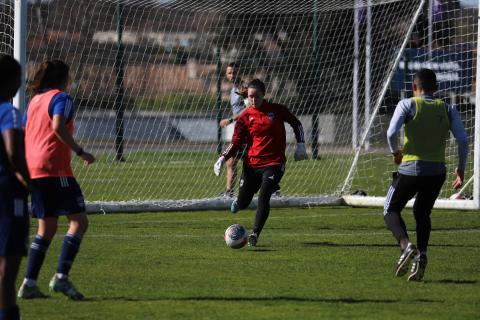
x=320, y=263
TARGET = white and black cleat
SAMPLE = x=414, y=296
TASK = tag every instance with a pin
x=404, y=261
x=252, y=240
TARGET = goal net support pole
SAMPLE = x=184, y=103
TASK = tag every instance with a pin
x=363, y=139
x=19, y=49
x=476, y=152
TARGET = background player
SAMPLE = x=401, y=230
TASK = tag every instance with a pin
x=262, y=128
x=421, y=170
x=237, y=102
x=14, y=182
x=55, y=192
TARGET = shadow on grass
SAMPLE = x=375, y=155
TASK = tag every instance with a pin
x=451, y=281
x=375, y=245
x=469, y=228
x=353, y=228
x=332, y=244
x=345, y=300
x=257, y=249
x=453, y=246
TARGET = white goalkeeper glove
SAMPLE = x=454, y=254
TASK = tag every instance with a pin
x=300, y=152
x=217, y=167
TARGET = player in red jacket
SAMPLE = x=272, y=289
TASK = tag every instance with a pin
x=262, y=129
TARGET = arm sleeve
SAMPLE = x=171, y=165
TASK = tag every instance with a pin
x=62, y=104
x=458, y=130
x=294, y=123
x=24, y=118
x=400, y=116
x=237, y=102
x=239, y=134
x=10, y=119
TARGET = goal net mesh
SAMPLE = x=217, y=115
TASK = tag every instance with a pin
x=147, y=79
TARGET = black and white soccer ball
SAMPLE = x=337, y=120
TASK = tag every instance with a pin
x=236, y=236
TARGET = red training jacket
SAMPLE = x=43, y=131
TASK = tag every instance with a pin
x=263, y=130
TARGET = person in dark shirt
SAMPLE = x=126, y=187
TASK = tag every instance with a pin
x=14, y=185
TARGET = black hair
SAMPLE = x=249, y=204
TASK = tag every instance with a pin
x=426, y=80
x=10, y=76
x=257, y=84
x=51, y=74
x=233, y=65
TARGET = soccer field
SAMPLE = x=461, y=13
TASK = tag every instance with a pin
x=320, y=263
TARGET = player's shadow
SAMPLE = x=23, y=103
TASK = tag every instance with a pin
x=469, y=228
x=454, y=246
x=452, y=281
x=346, y=300
x=353, y=228
x=375, y=245
x=347, y=245
x=260, y=249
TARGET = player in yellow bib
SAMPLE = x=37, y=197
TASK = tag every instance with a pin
x=421, y=173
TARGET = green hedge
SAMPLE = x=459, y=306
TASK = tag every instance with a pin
x=178, y=102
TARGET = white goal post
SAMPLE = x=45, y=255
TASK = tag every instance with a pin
x=149, y=90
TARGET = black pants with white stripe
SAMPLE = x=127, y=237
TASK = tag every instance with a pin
x=403, y=188
x=265, y=181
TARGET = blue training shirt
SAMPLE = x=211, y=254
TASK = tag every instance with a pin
x=9, y=119
x=61, y=103
x=404, y=112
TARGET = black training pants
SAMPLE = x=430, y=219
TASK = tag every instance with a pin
x=404, y=188
x=265, y=181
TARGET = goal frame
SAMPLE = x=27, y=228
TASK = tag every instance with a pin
x=460, y=204
x=20, y=21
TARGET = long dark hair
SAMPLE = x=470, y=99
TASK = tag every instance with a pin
x=50, y=75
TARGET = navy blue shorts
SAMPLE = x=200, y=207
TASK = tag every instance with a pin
x=14, y=223
x=56, y=196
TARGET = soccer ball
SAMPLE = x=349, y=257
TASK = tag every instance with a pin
x=236, y=236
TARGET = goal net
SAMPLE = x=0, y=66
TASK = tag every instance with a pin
x=149, y=88
x=444, y=39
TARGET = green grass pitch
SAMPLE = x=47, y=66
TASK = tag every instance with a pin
x=319, y=263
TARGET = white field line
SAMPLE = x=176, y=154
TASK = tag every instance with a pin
x=227, y=216
x=296, y=235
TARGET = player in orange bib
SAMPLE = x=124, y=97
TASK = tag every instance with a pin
x=55, y=192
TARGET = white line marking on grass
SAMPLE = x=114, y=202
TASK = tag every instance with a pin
x=284, y=234
x=224, y=218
